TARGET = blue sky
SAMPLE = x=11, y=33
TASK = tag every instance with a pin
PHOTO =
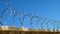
x=44, y=8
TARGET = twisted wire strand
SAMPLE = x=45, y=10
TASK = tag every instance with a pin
x=21, y=19
x=31, y=21
x=3, y=12
x=47, y=24
x=37, y=21
x=54, y=25
x=31, y=17
x=42, y=27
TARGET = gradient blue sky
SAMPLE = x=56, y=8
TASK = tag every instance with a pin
x=44, y=8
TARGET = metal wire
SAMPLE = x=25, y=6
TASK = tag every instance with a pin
x=31, y=21
x=1, y=23
x=38, y=21
x=3, y=12
x=21, y=19
x=42, y=23
x=47, y=24
x=22, y=16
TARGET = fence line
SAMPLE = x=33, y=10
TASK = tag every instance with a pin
x=41, y=22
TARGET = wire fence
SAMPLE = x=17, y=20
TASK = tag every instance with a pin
x=22, y=19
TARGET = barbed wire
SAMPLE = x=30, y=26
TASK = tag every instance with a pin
x=40, y=21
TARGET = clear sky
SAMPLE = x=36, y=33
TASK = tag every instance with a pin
x=44, y=8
